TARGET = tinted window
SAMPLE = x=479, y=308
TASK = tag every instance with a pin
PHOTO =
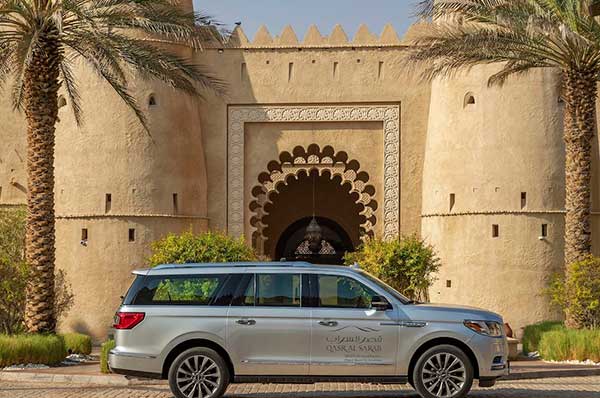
x=343, y=292
x=281, y=290
x=181, y=290
x=247, y=297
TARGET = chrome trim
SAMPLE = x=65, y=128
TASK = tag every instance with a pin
x=405, y=324
x=131, y=354
x=272, y=362
x=352, y=363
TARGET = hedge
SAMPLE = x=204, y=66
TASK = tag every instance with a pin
x=106, y=347
x=570, y=344
x=532, y=334
x=77, y=343
x=38, y=349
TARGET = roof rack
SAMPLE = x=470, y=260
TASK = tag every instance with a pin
x=301, y=264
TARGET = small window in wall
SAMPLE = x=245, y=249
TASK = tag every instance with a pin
x=131, y=234
x=84, y=234
x=62, y=101
x=243, y=72
x=335, y=69
x=290, y=71
x=0, y=193
x=495, y=230
x=175, y=203
x=452, y=201
x=448, y=283
x=544, y=231
x=469, y=100
x=107, y=202
x=523, y=200
x=380, y=70
x=152, y=100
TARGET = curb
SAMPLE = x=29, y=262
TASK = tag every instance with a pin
x=104, y=380
x=548, y=374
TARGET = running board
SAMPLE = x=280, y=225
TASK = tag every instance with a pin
x=264, y=379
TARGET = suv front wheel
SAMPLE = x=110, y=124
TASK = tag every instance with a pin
x=443, y=371
x=198, y=373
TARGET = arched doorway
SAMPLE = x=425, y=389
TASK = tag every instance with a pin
x=335, y=242
x=307, y=183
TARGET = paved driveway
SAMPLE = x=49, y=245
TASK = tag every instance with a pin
x=576, y=387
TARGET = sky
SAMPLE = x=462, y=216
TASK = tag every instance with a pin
x=276, y=14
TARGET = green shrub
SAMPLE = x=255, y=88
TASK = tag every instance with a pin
x=106, y=347
x=408, y=264
x=13, y=271
x=77, y=343
x=209, y=247
x=14, y=274
x=34, y=348
x=578, y=293
x=532, y=334
x=570, y=344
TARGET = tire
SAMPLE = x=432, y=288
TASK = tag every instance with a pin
x=199, y=373
x=443, y=371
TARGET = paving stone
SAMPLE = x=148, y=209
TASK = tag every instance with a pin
x=571, y=387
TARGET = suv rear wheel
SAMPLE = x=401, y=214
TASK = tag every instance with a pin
x=198, y=373
x=443, y=371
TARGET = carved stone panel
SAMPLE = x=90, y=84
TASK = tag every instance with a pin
x=389, y=115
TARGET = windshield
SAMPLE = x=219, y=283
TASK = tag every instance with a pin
x=399, y=296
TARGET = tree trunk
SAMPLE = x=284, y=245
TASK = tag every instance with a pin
x=41, y=109
x=579, y=130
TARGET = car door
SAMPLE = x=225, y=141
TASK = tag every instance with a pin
x=349, y=338
x=268, y=330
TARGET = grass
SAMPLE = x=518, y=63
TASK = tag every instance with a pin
x=77, y=343
x=106, y=347
x=532, y=334
x=39, y=349
x=567, y=344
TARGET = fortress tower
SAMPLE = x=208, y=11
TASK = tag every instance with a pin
x=493, y=192
x=120, y=188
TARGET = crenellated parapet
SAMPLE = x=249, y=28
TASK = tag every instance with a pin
x=313, y=38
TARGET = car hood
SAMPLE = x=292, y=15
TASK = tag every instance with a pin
x=448, y=312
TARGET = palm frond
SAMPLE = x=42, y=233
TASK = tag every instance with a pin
x=70, y=83
x=523, y=34
x=117, y=39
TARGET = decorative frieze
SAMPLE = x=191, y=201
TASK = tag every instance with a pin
x=388, y=115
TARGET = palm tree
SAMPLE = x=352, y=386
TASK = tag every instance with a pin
x=520, y=35
x=40, y=40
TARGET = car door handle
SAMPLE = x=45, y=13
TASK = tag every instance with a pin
x=248, y=322
x=328, y=323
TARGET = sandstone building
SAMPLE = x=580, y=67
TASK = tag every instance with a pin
x=477, y=171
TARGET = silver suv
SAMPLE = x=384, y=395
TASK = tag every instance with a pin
x=203, y=326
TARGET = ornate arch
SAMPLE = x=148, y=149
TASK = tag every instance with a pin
x=326, y=162
x=386, y=113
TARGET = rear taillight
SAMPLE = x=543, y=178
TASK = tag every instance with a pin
x=128, y=320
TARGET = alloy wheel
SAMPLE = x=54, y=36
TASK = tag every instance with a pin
x=444, y=375
x=198, y=377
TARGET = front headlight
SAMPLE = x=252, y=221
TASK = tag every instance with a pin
x=486, y=328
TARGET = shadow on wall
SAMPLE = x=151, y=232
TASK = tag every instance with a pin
x=80, y=326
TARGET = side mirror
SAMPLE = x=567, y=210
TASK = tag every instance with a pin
x=380, y=303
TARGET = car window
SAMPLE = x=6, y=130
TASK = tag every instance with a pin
x=247, y=298
x=279, y=290
x=179, y=290
x=343, y=292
